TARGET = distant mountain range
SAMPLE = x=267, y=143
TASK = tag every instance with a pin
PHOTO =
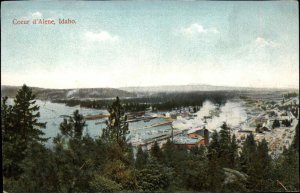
x=189, y=88
x=123, y=92
x=61, y=94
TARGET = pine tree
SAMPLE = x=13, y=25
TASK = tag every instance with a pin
x=288, y=171
x=233, y=153
x=6, y=120
x=260, y=169
x=215, y=176
x=215, y=173
x=73, y=127
x=121, y=173
x=156, y=152
x=141, y=158
x=103, y=184
x=169, y=151
x=153, y=177
x=198, y=151
x=26, y=114
x=11, y=159
x=288, y=166
x=248, y=153
x=20, y=128
x=129, y=155
x=295, y=143
x=196, y=173
x=116, y=126
x=74, y=155
x=214, y=145
x=40, y=174
x=225, y=145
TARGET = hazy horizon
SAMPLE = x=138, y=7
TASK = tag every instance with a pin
x=145, y=44
x=296, y=88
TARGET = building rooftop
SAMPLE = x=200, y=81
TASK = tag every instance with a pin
x=180, y=139
x=194, y=130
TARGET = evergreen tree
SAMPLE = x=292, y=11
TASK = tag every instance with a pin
x=233, y=153
x=153, y=177
x=169, y=153
x=225, y=142
x=10, y=159
x=102, y=184
x=295, y=143
x=288, y=166
x=215, y=177
x=75, y=163
x=120, y=173
x=141, y=158
x=73, y=127
x=156, y=152
x=119, y=162
x=20, y=127
x=74, y=157
x=40, y=174
x=199, y=152
x=129, y=155
x=26, y=115
x=214, y=145
x=196, y=170
x=260, y=169
x=6, y=120
x=248, y=153
x=179, y=168
x=288, y=170
x=116, y=126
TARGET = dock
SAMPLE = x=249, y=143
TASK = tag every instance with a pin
x=94, y=117
x=158, y=124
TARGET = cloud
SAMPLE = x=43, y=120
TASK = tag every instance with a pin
x=196, y=29
x=261, y=42
x=102, y=36
x=37, y=14
x=31, y=15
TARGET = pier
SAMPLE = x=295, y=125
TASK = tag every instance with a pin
x=94, y=117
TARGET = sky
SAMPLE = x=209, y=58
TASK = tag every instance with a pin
x=138, y=43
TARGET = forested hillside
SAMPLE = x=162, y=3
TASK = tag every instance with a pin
x=81, y=93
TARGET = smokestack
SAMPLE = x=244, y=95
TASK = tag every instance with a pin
x=205, y=136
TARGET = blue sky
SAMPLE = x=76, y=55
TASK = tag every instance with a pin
x=116, y=44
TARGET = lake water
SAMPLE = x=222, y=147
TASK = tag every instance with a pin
x=51, y=113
